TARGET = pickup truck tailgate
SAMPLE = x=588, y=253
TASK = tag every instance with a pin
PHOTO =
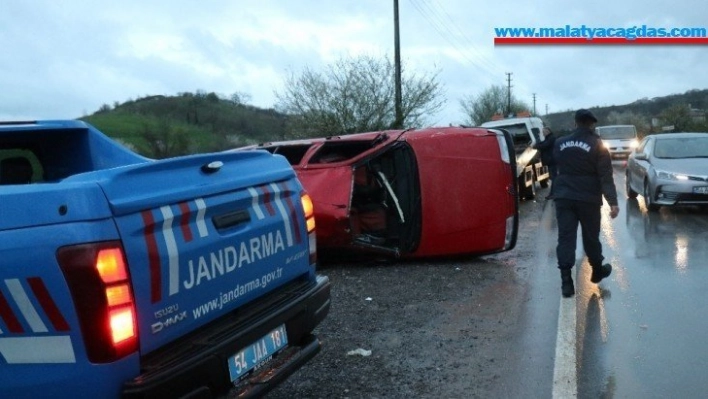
x=214, y=232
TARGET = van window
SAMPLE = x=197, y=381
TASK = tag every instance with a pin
x=339, y=151
x=293, y=153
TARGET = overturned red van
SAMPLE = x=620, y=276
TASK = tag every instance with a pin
x=436, y=191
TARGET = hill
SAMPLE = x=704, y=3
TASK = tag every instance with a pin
x=163, y=126
x=686, y=110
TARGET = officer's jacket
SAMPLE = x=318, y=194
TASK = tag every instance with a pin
x=584, y=168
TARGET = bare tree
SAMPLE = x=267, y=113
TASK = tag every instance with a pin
x=355, y=95
x=240, y=98
x=481, y=108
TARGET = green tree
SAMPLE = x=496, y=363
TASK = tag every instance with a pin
x=164, y=141
x=494, y=100
x=104, y=108
x=678, y=116
x=699, y=126
x=356, y=95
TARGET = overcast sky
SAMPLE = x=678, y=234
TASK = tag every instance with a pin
x=64, y=59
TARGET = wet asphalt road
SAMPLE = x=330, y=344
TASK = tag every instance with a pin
x=497, y=327
x=640, y=333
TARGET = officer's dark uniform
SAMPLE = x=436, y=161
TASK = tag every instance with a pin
x=584, y=176
x=546, y=149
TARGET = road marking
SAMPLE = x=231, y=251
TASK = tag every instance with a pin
x=565, y=369
x=565, y=372
x=565, y=381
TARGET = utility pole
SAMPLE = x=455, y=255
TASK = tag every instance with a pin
x=534, y=104
x=508, y=93
x=546, y=109
x=398, y=123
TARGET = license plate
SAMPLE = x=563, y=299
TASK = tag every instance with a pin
x=257, y=353
x=700, y=190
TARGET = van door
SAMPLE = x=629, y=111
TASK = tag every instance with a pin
x=386, y=200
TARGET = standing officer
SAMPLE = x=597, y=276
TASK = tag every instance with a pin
x=584, y=177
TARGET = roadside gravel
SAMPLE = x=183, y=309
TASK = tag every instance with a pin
x=435, y=329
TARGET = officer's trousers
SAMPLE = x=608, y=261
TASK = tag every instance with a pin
x=569, y=214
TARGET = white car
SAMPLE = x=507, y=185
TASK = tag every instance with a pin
x=669, y=169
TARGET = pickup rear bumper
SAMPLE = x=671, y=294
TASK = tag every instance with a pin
x=197, y=365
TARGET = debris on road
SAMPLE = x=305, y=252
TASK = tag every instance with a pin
x=360, y=352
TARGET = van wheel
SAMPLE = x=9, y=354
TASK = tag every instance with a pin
x=648, y=199
x=630, y=193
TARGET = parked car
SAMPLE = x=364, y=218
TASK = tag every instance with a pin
x=409, y=193
x=620, y=140
x=669, y=169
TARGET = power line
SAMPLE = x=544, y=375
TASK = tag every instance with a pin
x=480, y=61
x=439, y=25
x=443, y=29
x=469, y=42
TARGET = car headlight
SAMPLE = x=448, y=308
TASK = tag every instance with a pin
x=605, y=143
x=634, y=144
x=662, y=174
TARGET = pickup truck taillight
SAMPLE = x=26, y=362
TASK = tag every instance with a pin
x=309, y=210
x=97, y=275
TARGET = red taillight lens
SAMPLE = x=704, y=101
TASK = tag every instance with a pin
x=309, y=210
x=110, y=265
x=98, y=279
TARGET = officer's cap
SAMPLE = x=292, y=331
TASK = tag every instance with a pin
x=583, y=115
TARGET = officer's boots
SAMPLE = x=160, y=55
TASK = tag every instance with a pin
x=567, y=287
x=600, y=272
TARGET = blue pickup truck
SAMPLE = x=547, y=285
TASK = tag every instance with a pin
x=122, y=276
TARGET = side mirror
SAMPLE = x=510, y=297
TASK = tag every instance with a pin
x=641, y=156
